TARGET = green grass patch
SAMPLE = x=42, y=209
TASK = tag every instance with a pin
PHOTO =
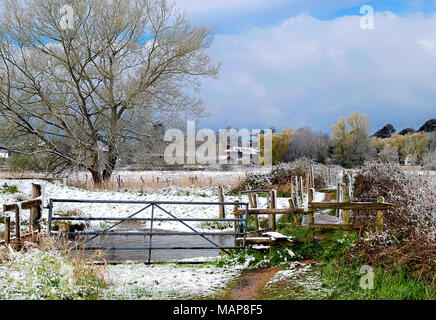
x=216, y=225
x=8, y=189
x=344, y=278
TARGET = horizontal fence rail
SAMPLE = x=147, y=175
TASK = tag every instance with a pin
x=240, y=224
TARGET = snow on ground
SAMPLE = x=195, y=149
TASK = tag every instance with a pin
x=186, y=194
x=169, y=281
x=44, y=275
x=301, y=282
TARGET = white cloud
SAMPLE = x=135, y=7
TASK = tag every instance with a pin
x=309, y=72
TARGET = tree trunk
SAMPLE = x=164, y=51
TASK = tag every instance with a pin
x=96, y=177
x=110, y=166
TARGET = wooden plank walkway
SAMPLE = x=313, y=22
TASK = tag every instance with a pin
x=268, y=238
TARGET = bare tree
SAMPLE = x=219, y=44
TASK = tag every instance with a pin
x=309, y=144
x=79, y=94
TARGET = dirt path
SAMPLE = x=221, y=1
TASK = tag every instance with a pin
x=251, y=283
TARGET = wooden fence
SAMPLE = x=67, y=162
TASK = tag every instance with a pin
x=34, y=206
x=303, y=186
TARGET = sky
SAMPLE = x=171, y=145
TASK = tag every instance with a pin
x=296, y=63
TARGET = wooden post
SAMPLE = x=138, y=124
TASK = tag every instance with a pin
x=311, y=194
x=222, y=212
x=380, y=215
x=296, y=191
x=338, y=197
x=35, y=212
x=312, y=179
x=7, y=234
x=295, y=216
x=256, y=218
x=345, y=220
x=250, y=199
x=17, y=229
x=307, y=183
x=235, y=223
x=254, y=200
x=273, y=195
x=301, y=190
x=311, y=218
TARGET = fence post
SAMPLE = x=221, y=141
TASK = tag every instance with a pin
x=312, y=178
x=380, y=215
x=296, y=191
x=222, y=212
x=17, y=228
x=310, y=199
x=311, y=194
x=273, y=195
x=338, y=197
x=307, y=183
x=295, y=215
x=301, y=190
x=250, y=199
x=346, y=219
x=256, y=218
x=7, y=234
x=235, y=223
x=35, y=212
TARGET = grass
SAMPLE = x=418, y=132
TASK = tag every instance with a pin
x=216, y=225
x=8, y=189
x=345, y=279
x=46, y=274
x=159, y=182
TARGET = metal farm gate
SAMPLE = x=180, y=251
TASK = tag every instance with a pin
x=240, y=224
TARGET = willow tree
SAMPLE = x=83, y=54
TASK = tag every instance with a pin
x=350, y=140
x=78, y=82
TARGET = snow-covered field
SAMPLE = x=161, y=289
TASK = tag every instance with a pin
x=35, y=275
x=137, y=281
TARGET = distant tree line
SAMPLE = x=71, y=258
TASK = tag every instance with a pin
x=351, y=144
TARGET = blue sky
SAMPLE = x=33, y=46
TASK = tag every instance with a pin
x=294, y=63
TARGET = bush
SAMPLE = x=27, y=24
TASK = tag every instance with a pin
x=281, y=175
x=21, y=163
x=412, y=194
x=409, y=231
x=429, y=160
